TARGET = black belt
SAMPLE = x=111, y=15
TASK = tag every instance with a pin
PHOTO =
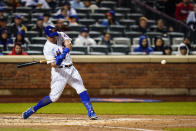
x=63, y=66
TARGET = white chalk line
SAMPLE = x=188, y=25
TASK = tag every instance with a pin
x=16, y=120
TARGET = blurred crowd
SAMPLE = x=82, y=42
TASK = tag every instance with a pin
x=66, y=17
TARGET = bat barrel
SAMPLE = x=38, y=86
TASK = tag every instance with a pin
x=27, y=64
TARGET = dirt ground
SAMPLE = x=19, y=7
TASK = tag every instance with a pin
x=60, y=122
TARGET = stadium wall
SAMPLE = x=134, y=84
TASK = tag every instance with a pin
x=105, y=75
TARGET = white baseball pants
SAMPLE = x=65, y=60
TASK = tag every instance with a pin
x=62, y=76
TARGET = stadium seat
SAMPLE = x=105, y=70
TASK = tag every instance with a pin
x=76, y=27
x=87, y=22
x=133, y=27
x=119, y=16
x=82, y=15
x=99, y=28
x=31, y=52
x=134, y=16
x=156, y=53
x=35, y=15
x=38, y=40
x=23, y=9
x=102, y=49
x=124, y=49
x=122, y=10
x=42, y=10
x=1, y=48
x=127, y=22
x=80, y=49
x=151, y=22
x=83, y=10
x=97, y=16
x=102, y=10
x=133, y=34
x=94, y=34
x=108, y=4
x=177, y=40
x=36, y=47
x=72, y=34
x=122, y=41
x=193, y=53
x=153, y=34
x=137, y=53
x=77, y=53
x=5, y=52
x=172, y=35
x=7, y=9
x=29, y=26
x=97, y=39
x=174, y=47
x=117, y=28
x=31, y=34
x=115, y=34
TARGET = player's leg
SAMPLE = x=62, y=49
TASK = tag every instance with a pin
x=76, y=82
x=57, y=86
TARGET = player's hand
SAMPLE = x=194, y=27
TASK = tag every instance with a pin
x=68, y=44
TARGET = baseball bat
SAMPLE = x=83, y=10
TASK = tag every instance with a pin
x=33, y=63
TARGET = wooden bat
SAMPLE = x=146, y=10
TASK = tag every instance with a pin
x=33, y=63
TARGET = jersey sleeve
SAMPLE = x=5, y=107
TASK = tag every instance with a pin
x=49, y=55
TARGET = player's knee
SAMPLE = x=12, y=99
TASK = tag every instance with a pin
x=80, y=90
x=54, y=98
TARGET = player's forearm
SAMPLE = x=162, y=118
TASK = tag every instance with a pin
x=68, y=44
x=53, y=64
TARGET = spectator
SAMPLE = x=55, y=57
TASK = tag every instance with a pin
x=3, y=25
x=98, y=3
x=183, y=9
x=191, y=21
x=47, y=21
x=89, y=5
x=17, y=50
x=183, y=50
x=167, y=50
x=1, y=12
x=37, y=4
x=106, y=40
x=21, y=39
x=4, y=40
x=62, y=26
x=63, y=14
x=111, y=20
x=84, y=39
x=143, y=45
x=51, y=3
x=143, y=25
x=77, y=4
x=17, y=26
x=161, y=27
x=39, y=27
x=159, y=44
x=73, y=20
x=187, y=42
x=70, y=11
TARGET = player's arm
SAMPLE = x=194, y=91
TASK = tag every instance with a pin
x=53, y=64
x=68, y=44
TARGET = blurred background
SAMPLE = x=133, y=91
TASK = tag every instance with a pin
x=100, y=27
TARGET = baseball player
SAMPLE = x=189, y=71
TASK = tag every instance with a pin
x=58, y=46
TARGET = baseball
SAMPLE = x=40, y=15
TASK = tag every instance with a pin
x=163, y=62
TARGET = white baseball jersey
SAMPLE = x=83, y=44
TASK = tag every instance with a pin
x=61, y=76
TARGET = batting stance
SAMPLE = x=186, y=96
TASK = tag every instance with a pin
x=58, y=46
